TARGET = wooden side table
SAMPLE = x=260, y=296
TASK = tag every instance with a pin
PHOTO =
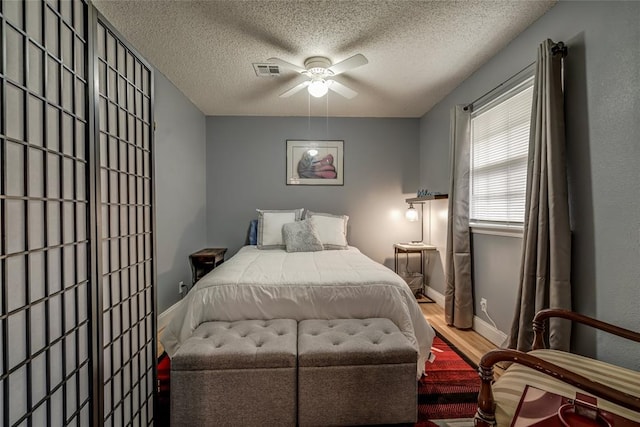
x=204, y=261
x=408, y=248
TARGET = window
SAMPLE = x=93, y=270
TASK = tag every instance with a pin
x=499, y=151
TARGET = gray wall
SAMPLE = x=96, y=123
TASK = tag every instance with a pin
x=602, y=127
x=246, y=171
x=180, y=187
x=493, y=278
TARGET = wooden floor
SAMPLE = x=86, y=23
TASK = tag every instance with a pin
x=472, y=344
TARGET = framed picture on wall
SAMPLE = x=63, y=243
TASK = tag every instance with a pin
x=315, y=162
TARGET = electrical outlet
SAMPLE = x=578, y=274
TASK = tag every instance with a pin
x=483, y=304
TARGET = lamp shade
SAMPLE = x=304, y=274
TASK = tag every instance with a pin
x=411, y=214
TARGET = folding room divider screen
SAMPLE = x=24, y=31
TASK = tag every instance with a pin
x=77, y=303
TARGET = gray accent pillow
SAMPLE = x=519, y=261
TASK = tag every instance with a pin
x=301, y=236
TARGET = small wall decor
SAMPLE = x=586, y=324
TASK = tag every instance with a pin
x=315, y=162
x=426, y=193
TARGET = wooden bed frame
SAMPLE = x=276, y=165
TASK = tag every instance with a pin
x=485, y=415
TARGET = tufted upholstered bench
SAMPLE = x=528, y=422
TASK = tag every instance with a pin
x=236, y=373
x=355, y=371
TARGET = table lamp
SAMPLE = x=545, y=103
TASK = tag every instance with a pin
x=412, y=215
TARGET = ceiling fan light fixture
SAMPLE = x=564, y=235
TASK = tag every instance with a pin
x=318, y=88
x=317, y=71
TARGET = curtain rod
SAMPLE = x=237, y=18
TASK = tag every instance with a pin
x=559, y=47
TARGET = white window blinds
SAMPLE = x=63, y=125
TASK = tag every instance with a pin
x=499, y=150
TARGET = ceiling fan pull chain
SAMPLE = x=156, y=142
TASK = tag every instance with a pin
x=327, y=113
x=309, y=116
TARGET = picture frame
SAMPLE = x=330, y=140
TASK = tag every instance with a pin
x=315, y=162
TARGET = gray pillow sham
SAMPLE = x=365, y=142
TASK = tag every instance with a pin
x=270, y=224
x=332, y=229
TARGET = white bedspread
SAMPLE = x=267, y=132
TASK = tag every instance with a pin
x=271, y=284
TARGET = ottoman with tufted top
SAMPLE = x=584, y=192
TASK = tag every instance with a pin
x=236, y=373
x=355, y=371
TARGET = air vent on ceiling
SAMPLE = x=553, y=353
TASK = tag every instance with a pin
x=266, y=70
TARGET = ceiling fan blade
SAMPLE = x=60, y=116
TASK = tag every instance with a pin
x=295, y=89
x=285, y=64
x=348, y=64
x=341, y=89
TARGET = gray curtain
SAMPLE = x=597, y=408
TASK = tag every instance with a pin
x=546, y=256
x=458, y=305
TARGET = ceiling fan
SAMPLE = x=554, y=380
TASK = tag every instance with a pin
x=320, y=71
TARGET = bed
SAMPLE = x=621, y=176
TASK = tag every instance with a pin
x=276, y=284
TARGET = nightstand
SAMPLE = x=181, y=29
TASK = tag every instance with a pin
x=204, y=261
x=408, y=248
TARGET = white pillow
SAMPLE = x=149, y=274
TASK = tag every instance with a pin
x=332, y=229
x=270, y=224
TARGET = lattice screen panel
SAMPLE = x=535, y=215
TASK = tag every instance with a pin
x=127, y=247
x=45, y=365
x=76, y=249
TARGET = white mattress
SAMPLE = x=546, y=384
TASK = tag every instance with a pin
x=275, y=284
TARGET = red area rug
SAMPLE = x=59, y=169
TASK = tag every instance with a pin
x=164, y=381
x=450, y=388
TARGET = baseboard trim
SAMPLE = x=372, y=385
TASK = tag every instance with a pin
x=165, y=317
x=495, y=336
x=435, y=296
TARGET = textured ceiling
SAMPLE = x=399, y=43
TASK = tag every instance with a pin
x=418, y=51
